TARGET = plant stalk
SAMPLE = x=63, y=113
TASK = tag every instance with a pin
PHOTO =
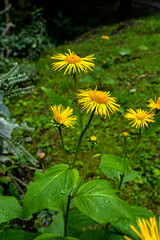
x=124, y=158
x=79, y=110
x=66, y=216
x=137, y=144
x=81, y=137
x=64, y=150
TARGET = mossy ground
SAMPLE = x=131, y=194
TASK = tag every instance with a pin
x=131, y=72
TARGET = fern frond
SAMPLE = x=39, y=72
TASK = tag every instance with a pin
x=20, y=152
x=19, y=91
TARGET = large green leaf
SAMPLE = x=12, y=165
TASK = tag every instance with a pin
x=123, y=224
x=111, y=162
x=12, y=234
x=51, y=189
x=99, y=234
x=48, y=236
x=56, y=99
x=98, y=200
x=130, y=176
x=9, y=209
x=141, y=212
x=79, y=220
x=57, y=226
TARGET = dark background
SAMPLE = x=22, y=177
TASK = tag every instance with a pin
x=65, y=20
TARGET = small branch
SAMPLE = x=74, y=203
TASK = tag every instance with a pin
x=6, y=9
x=9, y=25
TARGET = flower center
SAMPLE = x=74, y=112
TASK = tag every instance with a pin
x=72, y=59
x=59, y=118
x=99, y=97
x=140, y=116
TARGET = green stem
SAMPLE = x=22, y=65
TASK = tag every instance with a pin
x=137, y=144
x=79, y=110
x=64, y=150
x=121, y=180
x=81, y=137
x=84, y=174
x=124, y=159
x=88, y=164
x=66, y=216
x=75, y=81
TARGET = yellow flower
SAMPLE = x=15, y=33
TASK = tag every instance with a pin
x=63, y=116
x=139, y=117
x=72, y=62
x=125, y=134
x=93, y=138
x=154, y=105
x=98, y=101
x=148, y=229
x=105, y=37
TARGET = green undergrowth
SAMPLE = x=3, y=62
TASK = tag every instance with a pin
x=127, y=65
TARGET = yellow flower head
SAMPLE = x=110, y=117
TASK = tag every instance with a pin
x=98, y=101
x=72, y=62
x=93, y=138
x=105, y=37
x=148, y=229
x=125, y=134
x=154, y=105
x=139, y=117
x=63, y=116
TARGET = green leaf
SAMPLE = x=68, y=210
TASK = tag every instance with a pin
x=56, y=99
x=57, y=226
x=98, y=69
x=130, y=176
x=109, y=162
x=153, y=126
x=123, y=225
x=124, y=52
x=12, y=234
x=108, y=80
x=99, y=234
x=141, y=212
x=48, y=236
x=9, y=209
x=4, y=111
x=98, y=200
x=88, y=79
x=143, y=48
x=51, y=189
x=78, y=220
x=1, y=96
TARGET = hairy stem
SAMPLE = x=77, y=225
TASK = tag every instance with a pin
x=64, y=150
x=79, y=110
x=137, y=144
x=81, y=137
x=66, y=216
